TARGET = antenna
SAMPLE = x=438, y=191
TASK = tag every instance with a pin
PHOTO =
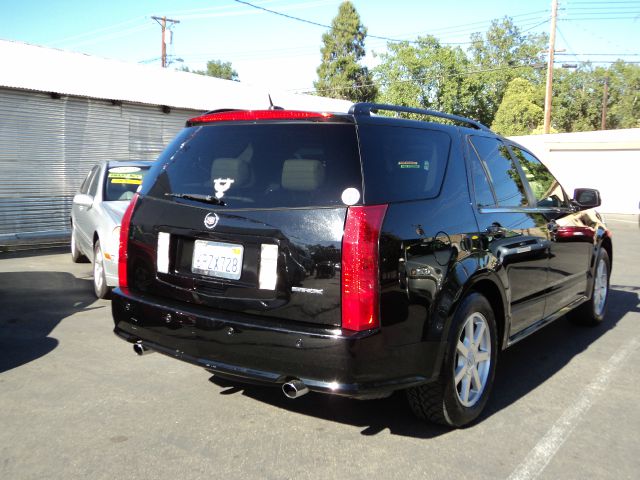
x=271, y=105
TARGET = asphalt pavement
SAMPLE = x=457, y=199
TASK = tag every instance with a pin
x=76, y=402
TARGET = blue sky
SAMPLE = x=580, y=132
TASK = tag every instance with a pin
x=281, y=53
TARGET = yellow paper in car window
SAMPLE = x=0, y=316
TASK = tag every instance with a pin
x=125, y=178
x=408, y=164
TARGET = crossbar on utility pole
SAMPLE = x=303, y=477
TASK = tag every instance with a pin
x=162, y=21
x=549, y=90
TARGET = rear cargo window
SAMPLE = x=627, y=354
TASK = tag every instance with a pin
x=402, y=163
x=263, y=166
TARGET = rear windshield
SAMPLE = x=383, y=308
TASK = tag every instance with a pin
x=263, y=165
x=402, y=163
x=121, y=183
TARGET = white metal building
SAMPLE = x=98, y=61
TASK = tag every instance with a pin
x=608, y=160
x=61, y=112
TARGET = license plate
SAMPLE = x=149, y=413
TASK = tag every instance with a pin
x=215, y=259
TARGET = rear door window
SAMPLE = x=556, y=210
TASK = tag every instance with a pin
x=401, y=163
x=501, y=172
x=263, y=165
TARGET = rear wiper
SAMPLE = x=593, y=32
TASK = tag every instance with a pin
x=198, y=197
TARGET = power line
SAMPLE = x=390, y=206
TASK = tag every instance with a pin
x=482, y=24
x=368, y=35
x=426, y=77
x=224, y=10
x=310, y=22
x=602, y=54
x=607, y=61
x=603, y=3
x=108, y=36
x=587, y=19
x=91, y=33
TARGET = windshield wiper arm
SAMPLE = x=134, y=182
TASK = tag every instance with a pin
x=198, y=197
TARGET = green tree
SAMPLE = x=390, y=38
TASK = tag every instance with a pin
x=624, y=95
x=519, y=112
x=503, y=53
x=578, y=96
x=577, y=99
x=339, y=74
x=216, y=68
x=426, y=74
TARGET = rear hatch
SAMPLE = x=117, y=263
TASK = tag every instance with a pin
x=248, y=216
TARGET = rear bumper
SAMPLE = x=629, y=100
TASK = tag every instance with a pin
x=250, y=348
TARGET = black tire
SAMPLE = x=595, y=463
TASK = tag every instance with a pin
x=447, y=401
x=100, y=287
x=592, y=312
x=76, y=255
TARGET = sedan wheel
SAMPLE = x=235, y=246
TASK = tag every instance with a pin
x=99, y=279
x=76, y=256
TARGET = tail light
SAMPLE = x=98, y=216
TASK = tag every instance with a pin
x=360, y=267
x=124, y=240
x=250, y=115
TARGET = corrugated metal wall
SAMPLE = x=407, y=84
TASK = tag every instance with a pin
x=48, y=145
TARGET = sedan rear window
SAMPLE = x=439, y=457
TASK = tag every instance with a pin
x=262, y=165
x=121, y=183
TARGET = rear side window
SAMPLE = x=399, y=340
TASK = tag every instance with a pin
x=402, y=163
x=84, y=188
x=501, y=173
x=263, y=165
x=93, y=185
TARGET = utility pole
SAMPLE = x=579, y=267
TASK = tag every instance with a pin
x=162, y=21
x=605, y=99
x=552, y=45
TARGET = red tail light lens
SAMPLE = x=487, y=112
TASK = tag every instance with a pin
x=124, y=240
x=248, y=115
x=360, y=267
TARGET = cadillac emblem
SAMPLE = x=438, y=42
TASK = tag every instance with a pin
x=211, y=220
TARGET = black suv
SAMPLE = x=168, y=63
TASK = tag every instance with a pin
x=355, y=254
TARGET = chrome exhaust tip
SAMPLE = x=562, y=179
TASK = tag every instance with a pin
x=294, y=389
x=141, y=349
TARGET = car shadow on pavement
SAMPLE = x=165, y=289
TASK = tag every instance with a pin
x=531, y=362
x=32, y=304
x=521, y=369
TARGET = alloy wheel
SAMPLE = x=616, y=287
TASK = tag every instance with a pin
x=98, y=270
x=600, y=287
x=473, y=359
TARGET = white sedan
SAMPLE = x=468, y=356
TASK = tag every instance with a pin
x=96, y=214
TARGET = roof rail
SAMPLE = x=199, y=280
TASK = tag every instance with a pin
x=369, y=108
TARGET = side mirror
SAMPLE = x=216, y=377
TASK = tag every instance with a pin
x=83, y=200
x=586, y=198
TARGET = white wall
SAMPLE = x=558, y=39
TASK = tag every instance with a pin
x=608, y=160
